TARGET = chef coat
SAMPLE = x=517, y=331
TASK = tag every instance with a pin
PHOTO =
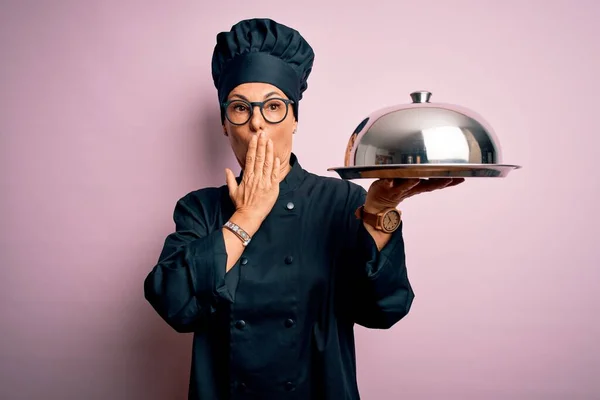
x=279, y=324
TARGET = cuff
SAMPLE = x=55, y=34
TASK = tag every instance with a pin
x=208, y=259
x=374, y=258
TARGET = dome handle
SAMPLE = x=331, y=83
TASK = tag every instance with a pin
x=421, y=96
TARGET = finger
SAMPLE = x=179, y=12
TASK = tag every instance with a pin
x=455, y=181
x=231, y=182
x=428, y=185
x=392, y=187
x=440, y=182
x=402, y=184
x=276, y=170
x=260, y=155
x=268, y=168
x=397, y=186
x=432, y=184
x=397, y=183
x=251, y=154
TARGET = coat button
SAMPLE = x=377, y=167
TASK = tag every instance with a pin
x=244, y=261
x=241, y=324
x=290, y=206
x=289, y=386
x=289, y=323
x=289, y=259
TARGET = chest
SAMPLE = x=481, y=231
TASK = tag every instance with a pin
x=290, y=262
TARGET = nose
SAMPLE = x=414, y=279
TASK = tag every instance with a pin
x=257, y=122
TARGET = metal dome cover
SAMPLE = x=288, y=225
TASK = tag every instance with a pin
x=423, y=140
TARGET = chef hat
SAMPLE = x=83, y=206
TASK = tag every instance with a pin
x=262, y=50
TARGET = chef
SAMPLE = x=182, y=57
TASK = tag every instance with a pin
x=272, y=270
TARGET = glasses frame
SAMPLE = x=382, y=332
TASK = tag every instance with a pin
x=259, y=104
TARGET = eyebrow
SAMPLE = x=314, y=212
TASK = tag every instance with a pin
x=245, y=98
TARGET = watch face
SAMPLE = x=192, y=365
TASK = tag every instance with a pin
x=391, y=220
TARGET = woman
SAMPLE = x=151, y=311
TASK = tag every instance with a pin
x=272, y=270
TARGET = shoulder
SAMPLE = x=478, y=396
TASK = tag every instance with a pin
x=337, y=188
x=200, y=205
x=204, y=197
x=334, y=183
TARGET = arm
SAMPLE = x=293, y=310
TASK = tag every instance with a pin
x=193, y=272
x=233, y=245
x=380, y=290
x=381, y=238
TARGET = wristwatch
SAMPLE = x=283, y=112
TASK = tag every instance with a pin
x=386, y=221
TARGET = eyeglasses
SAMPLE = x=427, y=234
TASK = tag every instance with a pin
x=238, y=112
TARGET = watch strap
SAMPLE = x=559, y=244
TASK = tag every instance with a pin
x=369, y=218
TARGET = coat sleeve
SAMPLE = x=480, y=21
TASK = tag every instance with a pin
x=189, y=280
x=380, y=292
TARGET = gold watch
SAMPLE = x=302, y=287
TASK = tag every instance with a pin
x=386, y=221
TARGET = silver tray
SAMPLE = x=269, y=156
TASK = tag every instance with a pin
x=425, y=171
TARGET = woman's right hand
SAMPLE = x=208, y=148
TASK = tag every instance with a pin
x=258, y=190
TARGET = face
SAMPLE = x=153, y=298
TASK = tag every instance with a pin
x=281, y=133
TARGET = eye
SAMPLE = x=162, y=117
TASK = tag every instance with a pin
x=274, y=105
x=238, y=106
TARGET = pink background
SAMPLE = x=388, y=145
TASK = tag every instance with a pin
x=108, y=115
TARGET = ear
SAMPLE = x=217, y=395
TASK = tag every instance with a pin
x=295, y=127
x=225, y=131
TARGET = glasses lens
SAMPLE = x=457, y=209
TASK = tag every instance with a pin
x=274, y=110
x=238, y=112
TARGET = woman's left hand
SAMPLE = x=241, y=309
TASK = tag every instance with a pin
x=388, y=193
